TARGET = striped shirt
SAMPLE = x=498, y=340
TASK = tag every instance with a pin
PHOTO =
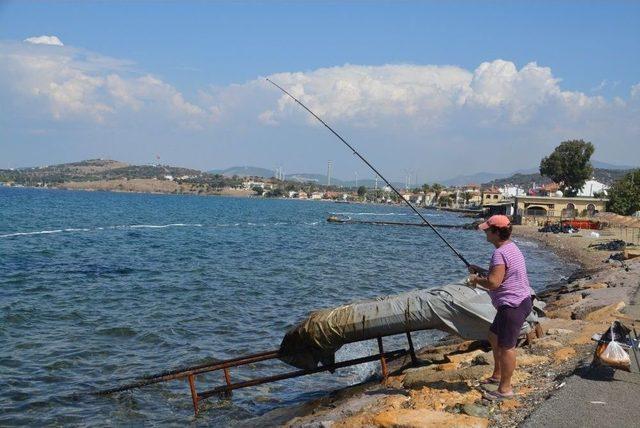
x=515, y=285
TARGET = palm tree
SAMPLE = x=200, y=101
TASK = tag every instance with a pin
x=425, y=189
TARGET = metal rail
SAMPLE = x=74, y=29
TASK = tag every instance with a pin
x=393, y=223
x=190, y=373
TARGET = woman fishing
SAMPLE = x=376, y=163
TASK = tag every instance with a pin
x=508, y=286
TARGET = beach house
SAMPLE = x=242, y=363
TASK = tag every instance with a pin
x=539, y=209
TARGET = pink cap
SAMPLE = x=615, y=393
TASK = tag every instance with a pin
x=495, y=220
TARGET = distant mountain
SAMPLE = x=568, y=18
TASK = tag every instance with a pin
x=94, y=170
x=604, y=165
x=480, y=177
x=313, y=178
x=533, y=175
x=244, y=171
x=606, y=176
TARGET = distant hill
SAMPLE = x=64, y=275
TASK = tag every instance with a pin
x=92, y=170
x=606, y=176
x=606, y=171
x=480, y=177
x=244, y=171
x=604, y=165
x=300, y=177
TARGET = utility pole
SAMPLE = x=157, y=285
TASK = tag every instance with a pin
x=329, y=167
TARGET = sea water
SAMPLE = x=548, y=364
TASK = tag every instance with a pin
x=98, y=288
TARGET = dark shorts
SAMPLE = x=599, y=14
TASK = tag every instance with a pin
x=508, y=323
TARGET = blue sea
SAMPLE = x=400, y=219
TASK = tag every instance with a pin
x=98, y=288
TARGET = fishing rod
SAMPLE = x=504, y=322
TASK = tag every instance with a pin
x=355, y=152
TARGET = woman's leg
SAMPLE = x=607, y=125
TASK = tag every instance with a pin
x=507, y=366
x=493, y=340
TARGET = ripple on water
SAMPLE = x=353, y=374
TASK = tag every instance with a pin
x=116, y=332
x=84, y=310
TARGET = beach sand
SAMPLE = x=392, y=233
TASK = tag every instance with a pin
x=443, y=390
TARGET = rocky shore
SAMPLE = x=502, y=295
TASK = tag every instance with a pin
x=443, y=390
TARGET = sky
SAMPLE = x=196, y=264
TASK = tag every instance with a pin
x=430, y=89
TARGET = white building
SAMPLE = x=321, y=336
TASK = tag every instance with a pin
x=261, y=184
x=592, y=186
x=512, y=191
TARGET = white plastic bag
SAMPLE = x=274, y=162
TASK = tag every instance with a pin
x=614, y=354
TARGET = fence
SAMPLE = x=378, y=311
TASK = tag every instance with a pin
x=628, y=234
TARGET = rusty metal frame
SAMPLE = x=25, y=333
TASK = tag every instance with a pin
x=191, y=373
x=229, y=386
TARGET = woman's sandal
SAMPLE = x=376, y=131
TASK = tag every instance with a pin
x=490, y=381
x=497, y=396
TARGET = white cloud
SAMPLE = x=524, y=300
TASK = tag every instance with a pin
x=44, y=40
x=75, y=83
x=437, y=116
x=429, y=96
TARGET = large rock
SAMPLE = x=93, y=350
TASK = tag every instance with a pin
x=423, y=376
x=465, y=357
x=564, y=313
x=559, y=331
x=421, y=418
x=476, y=410
x=596, y=286
x=524, y=360
x=564, y=354
x=484, y=359
x=565, y=301
x=545, y=343
x=606, y=313
x=442, y=396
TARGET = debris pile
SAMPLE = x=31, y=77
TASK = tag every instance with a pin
x=615, y=245
x=558, y=228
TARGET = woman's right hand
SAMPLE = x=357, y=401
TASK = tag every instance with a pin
x=475, y=269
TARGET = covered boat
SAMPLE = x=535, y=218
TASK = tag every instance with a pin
x=454, y=308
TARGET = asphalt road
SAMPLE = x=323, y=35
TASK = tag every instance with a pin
x=600, y=397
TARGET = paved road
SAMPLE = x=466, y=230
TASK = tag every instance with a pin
x=597, y=398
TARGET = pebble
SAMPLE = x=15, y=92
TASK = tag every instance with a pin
x=475, y=410
x=559, y=331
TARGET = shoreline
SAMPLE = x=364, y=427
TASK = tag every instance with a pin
x=443, y=389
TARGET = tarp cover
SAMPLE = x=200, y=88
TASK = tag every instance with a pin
x=454, y=308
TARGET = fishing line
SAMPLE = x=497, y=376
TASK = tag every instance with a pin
x=355, y=152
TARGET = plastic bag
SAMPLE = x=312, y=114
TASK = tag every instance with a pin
x=613, y=354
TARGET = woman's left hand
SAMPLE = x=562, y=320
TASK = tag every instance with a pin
x=473, y=279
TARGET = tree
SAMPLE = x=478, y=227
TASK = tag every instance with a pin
x=467, y=197
x=569, y=165
x=437, y=189
x=362, y=191
x=624, y=195
x=276, y=193
x=445, y=201
x=425, y=189
x=259, y=190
